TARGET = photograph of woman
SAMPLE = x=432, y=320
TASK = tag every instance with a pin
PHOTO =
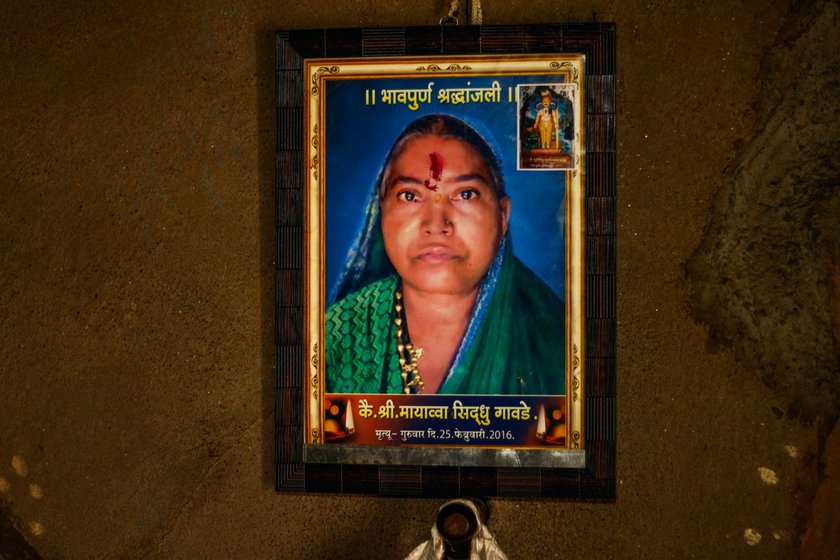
x=431, y=297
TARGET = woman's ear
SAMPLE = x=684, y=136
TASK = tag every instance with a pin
x=504, y=206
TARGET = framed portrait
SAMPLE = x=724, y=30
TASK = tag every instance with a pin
x=446, y=268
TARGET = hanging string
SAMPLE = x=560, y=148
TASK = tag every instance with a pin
x=475, y=12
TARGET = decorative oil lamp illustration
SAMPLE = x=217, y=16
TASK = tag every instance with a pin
x=338, y=420
x=551, y=424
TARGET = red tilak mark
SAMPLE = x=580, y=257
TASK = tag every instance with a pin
x=435, y=171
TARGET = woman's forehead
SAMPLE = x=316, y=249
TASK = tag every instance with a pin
x=443, y=155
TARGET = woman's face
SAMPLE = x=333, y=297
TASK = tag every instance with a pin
x=441, y=219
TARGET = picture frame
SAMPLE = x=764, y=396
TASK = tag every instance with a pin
x=410, y=163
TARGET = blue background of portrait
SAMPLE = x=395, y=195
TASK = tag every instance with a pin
x=358, y=138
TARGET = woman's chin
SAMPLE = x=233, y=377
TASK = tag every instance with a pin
x=442, y=284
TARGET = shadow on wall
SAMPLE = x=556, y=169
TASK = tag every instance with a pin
x=762, y=277
x=12, y=543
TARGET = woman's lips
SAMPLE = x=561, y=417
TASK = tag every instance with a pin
x=436, y=254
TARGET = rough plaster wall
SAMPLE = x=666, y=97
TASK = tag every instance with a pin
x=136, y=289
x=762, y=277
x=766, y=278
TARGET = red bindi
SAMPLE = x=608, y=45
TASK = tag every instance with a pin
x=435, y=171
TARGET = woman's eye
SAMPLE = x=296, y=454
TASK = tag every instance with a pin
x=468, y=194
x=407, y=196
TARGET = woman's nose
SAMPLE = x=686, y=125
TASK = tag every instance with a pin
x=437, y=217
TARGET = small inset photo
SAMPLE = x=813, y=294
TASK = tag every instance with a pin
x=546, y=126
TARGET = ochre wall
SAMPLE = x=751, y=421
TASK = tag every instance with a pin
x=136, y=293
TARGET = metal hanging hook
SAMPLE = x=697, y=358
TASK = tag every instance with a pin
x=451, y=17
x=474, y=13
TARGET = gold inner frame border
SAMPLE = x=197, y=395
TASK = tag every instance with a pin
x=317, y=72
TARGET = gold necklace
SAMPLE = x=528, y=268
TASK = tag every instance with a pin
x=409, y=355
